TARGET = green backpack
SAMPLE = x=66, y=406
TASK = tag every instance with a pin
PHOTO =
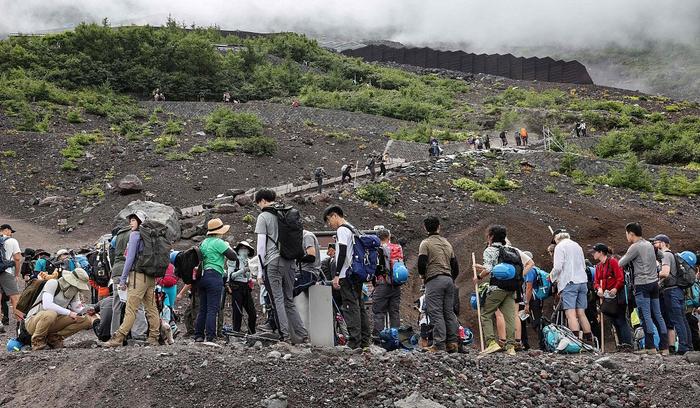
x=155, y=257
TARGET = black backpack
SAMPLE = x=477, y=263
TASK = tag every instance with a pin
x=510, y=256
x=290, y=228
x=685, y=274
x=185, y=262
x=155, y=256
x=102, y=267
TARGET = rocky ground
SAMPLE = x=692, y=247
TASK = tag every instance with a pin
x=278, y=376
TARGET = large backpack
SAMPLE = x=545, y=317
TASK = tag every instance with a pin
x=365, y=255
x=692, y=295
x=685, y=274
x=510, y=256
x=155, y=256
x=185, y=264
x=4, y=262
x=28, y=298
x=560, y=339
x=543, y=284
x=102, y=267
x=290, y=231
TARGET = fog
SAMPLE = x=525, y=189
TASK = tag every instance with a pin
x=490, y=26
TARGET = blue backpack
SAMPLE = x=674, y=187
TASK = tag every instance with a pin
x=559, y=339
x=365, y=255
x=543, y=285
x=692, y=295
x=399, y=274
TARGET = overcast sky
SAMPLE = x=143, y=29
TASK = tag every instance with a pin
x=493, y=25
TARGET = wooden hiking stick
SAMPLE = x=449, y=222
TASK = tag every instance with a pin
x=478, y=304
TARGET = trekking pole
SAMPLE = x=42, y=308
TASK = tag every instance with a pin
x=602, y=333
x=551, y=231
x=478, y=304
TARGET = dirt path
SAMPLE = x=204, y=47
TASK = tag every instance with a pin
x=35, y=236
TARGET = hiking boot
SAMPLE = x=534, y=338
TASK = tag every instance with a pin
x=39, y=343
x=199, y=339
x=452, y=348
x=493, y=347
x=266, y=327
x=152, y=342
x=117, y=340
x=423, y=343
x=518, y=345
x=432, y=349
x=55, y=341
x=665, y=352
x=2, y=328
x=510, y=350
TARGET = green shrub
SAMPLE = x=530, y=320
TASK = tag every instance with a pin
x=173, y=128
x=74, y=116
x=588, y=191
x=178, y=156
x=340, y=137
x=677, y=185
x=9, y=153
x=164, y=141
x=467, y=184
x=75, y=150
x=500, y=182
x=400, y=215
x=248, y=219
x=259, y=146
x=489, y=197
x=224, y=122
x=379, y=193
x=127, y=128
x=554, y=174
x=633, y=176
x=550, y=188
x=92, y=191
x=197, y=149
x=221, y=144
x=568, y=164
x=69, y=165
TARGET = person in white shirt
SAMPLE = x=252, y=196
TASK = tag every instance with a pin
x=10, y=267
x=569, y=273
x=59, y=312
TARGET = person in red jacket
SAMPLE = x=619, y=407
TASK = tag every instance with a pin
x=609, y=282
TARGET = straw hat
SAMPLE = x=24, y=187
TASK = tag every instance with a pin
x=217, y=227
x=78, y=278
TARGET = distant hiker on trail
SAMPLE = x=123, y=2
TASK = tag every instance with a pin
x=523, y=136
x=487, y=142
x=158, y=95
x=227, y=97
x=370, y=165
x=279, y=271
x=345, y=173
x=142, y=288
x=58, y=312
x=583, y=129
x=438, y=267
x=507, y=266
x=569, y=272
x=353, y=306
x=518, y=141
x=504, y=139
x=577, y=128
x=384, y=159
x=296, y=103
x=10, y=267
x=478, y=143
x=642, y=257
x=435, y=149
x=319, y=174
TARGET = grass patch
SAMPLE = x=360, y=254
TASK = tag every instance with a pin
x=173, y=127
x=489, y=197
x=500, y=182
x=468, y=184
x=92, y=191
x=165, y=141
x=588, y=191
x=221, y=144
x=74, y=116
x=224, y=122
x=248, y=219
x=551, y=189
x=340, y=137
x=9, y=153
x=197, y=149
x=379, y=193
x=259, y=146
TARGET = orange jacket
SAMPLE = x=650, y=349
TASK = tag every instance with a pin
x=523, y=132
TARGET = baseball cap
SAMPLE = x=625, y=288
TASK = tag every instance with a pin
x=601, y=248
x=7, y=226
x=663, y=238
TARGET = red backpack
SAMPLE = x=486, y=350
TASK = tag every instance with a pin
x=395, y=254
x=169, y=280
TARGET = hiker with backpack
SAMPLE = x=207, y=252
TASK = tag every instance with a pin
x=610, y=288
x=10, y=268
x=41, y=263
x=518, y=140
x=352, y=248
x=118, y=243
x=319, y=174
x=168, y=283
x=504, y=139
x=57, y=312
x=370, y=165
x=240, y=286
x=386, y=298
x=523, y=136
x=538, y=287
x=645, y=278
x=345, y=173
x=141, y=279
x=383, y=160
x=569, y=272
x=438, y=267
x=280, y=246
x=309, y=271
x=507, y=265
x=672, y=285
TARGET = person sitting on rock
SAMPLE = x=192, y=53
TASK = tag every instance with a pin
x=60, y=313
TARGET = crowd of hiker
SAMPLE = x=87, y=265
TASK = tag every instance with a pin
x=127, y=288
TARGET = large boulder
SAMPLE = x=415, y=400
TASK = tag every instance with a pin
x=161, y=213
x=130, y=184
x=54, y=201
x=244, y=200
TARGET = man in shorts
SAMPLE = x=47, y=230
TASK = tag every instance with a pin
x=11, y=266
